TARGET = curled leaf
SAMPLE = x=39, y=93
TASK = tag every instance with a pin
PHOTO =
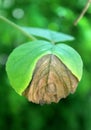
x=44, y=72
x=51, y=81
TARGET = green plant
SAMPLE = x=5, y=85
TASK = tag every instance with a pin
x=44, y=70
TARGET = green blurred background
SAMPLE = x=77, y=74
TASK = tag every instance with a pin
x=72, y=113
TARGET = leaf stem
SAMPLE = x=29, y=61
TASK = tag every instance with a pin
x=83, y=12
x=17, y=27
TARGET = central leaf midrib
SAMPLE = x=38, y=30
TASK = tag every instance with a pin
x=49, y=67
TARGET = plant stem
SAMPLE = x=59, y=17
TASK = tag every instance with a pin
x=83, y=12
x=17, y=27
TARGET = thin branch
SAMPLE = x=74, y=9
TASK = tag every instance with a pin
x=83, y=12
x=17, y=27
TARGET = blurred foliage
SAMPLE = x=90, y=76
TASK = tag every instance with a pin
x=72, y=113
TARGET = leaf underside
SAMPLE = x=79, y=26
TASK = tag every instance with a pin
x=51, y=81
x=48, y=34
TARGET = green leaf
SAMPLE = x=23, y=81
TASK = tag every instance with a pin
x=48, y=34
x=22, y=61
x=70, y=58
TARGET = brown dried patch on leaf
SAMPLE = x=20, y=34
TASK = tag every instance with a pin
x=51, y=81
